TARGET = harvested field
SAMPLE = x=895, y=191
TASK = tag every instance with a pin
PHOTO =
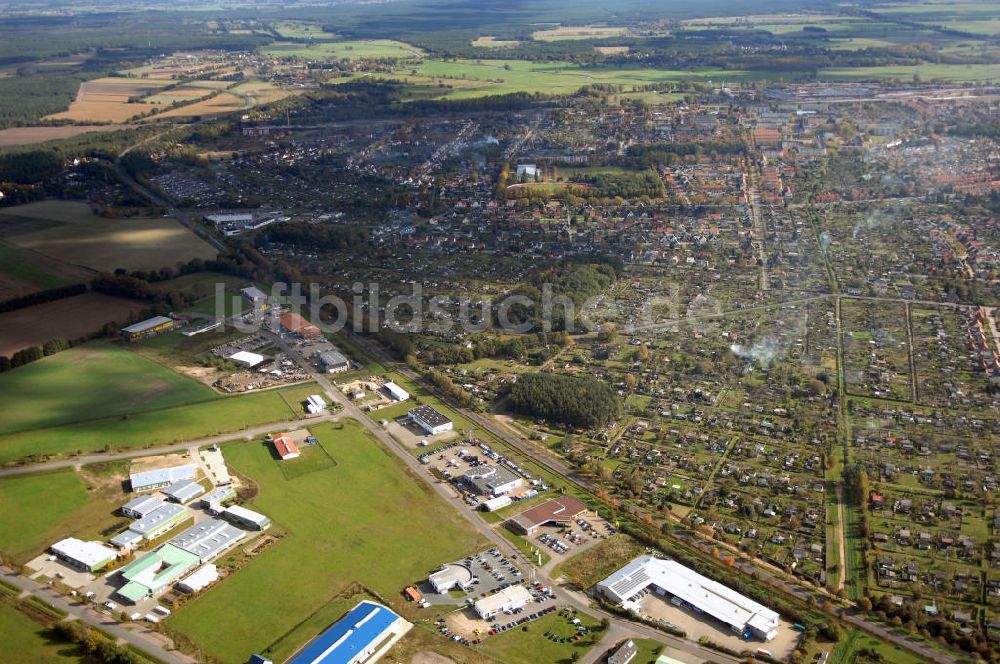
x=611, y=50
x=493, y=42
x=106, y=99
x=72, y=318
x=23, y=271
x=33, y=135
x=224, y=102
x=578, y=32
x=71, y=233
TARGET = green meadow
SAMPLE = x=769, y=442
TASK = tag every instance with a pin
x=364, y=519
x=159, y=427
x=91, y=381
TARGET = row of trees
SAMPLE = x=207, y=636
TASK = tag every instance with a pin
x=41, y=297
x=96, y=645
x=577, y=401
x=32, y=354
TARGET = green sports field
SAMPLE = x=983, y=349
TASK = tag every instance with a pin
x=91, y=381
x=159, y=427
x=364, y=519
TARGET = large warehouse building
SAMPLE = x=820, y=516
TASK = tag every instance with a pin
x=508, y=599
x=161, y=477
x=86, y=556
x=151, y=574
x=362, y=636
x=430, y=420
x=688, y=588
x=558, y=510
x=492, y=480
x=296, y=324
x=148, y=328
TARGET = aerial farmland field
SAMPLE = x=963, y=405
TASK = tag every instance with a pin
x=70, y=318
x=345, y=50
x=107, y=100
x=92, y=381
x=158, y=427
x=69, y=232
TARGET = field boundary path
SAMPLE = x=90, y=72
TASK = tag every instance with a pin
x=841, y=537
x=98, y=457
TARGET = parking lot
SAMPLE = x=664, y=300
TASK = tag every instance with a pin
x=560, y=542
x=412, y=436
x=469, y=627
x=490, y=571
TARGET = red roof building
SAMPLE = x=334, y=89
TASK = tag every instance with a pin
x=558, y=510
x=296, y=324
x=285, y=446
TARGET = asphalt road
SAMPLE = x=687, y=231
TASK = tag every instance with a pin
x=196, y=227
x=244, y=434
x=575, y=600
x=137, y=636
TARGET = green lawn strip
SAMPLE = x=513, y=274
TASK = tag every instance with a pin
x=91, y=381
x=160, y=427
x=364, y=520
x=832, y=540
x=530, y=645
x=857, y=572
x=648, y=651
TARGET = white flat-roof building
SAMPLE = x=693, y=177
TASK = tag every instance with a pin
x=314, y=404
x=492, y=480
x=508, y=599
x=451, y=576
x=430, y=420
x=183, y=491
x=142, y=506
x=692, y=589
x=86, y=556
x=396, y=392
x=247, y=518
x=200, y=579
x=209, y=538
x=160, y=477
x=126, y=540
x=247, y=358
x=213, y=501
x=160, y=521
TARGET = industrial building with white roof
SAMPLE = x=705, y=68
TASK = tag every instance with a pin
x=699, y=592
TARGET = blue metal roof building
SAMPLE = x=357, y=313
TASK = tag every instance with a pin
x=354, y=638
